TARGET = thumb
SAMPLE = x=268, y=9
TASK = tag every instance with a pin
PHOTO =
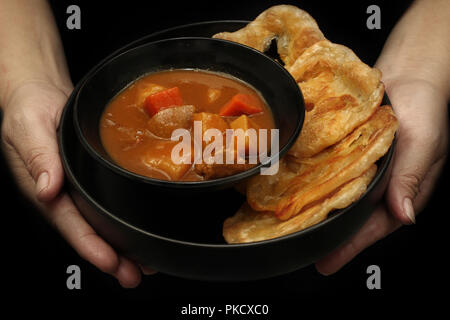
x=33, y=137
x=412, y=163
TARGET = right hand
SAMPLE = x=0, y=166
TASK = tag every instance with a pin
x=421, y=152
x=31, y=117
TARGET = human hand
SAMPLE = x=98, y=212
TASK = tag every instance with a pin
x=31, y=116
x=421, y=149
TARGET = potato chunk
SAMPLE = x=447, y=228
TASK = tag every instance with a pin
x=167, y=120
x=245, y=123
x=210, y=121
x=217, y=170
x=158, y=158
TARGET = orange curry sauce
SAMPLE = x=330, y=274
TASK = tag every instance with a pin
x=124, y=125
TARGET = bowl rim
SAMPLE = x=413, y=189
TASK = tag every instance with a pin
x=187, y=184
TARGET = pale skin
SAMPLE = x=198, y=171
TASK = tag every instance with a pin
x=415, y=65
x=35, y=84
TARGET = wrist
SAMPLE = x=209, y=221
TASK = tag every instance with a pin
x=417, y=49
x=10, y=86
x=398, y=72
x=31, y=48
x=31, y=87
x=415, y=85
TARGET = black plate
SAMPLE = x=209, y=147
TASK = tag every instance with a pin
x=206, y=256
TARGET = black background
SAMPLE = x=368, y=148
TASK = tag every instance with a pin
x=411, y=260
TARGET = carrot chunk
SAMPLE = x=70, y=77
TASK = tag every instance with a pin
x=163, y=100
x=241, y=104
x=145, y=89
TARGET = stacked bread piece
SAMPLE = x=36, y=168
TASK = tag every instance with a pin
x=344, y=133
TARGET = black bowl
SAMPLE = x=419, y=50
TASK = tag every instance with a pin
x=281, y=93
x=183, y=246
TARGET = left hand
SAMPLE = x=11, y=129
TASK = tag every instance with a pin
x=31, y=117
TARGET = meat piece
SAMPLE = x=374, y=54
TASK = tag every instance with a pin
x=167, y=120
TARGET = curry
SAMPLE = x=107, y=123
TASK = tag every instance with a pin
x=139, y=126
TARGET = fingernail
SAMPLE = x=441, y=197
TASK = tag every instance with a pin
x=42, y=182
x=409, y=210
x=147, y=271
x=128, y=285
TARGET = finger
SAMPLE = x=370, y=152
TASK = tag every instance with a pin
x=33, y=137
x=422, y=143
x=428, y=184
x=80, y=235
x=410, y=169
x=380, y=224
x=64, y=216
x=128, y=273
x=147, y=271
